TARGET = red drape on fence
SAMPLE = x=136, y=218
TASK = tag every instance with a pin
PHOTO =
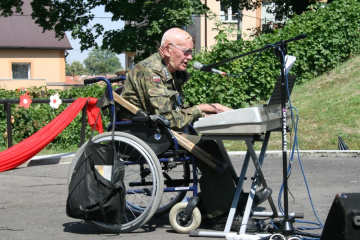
x=26, y=149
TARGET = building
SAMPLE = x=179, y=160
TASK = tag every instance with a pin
x=29, y=56
x=203, y=31
x=246, y=22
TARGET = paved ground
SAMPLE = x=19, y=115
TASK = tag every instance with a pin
x=32, y=201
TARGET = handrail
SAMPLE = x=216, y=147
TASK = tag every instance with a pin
x=4, y=101
x=7, y=108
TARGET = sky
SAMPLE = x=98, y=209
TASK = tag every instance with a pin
x=102, y=18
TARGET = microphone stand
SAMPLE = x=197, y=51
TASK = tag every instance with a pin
x=287, y=224
x=280, y=51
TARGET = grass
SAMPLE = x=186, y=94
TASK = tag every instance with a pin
x=328, y=107
x=57, y=151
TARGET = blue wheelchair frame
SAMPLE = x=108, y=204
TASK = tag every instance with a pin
x=191, y=159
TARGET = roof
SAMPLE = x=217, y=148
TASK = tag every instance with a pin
x=21, y=31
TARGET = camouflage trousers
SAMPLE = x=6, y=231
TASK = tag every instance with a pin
x=217, y=190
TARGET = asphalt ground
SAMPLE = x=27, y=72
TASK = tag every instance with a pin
x=33, y=196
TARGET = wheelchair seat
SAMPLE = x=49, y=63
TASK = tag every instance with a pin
x=154, y=135
x=157, y=139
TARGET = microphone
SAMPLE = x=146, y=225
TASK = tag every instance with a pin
x=204, y=68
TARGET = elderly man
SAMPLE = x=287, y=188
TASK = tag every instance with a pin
x=155, y=85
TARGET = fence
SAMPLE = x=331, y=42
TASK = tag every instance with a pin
x=7, y=108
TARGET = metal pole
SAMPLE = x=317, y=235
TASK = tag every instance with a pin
x=8, y=123
x=205, y=26
x=287, y=224
x=83, y=125
x=239, y=36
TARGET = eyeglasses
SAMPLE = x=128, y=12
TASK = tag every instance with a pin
x=186, y=52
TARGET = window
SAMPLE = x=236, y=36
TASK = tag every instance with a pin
x=130, y=62
x=267, y=18
x=20, y=70
x=228, y=15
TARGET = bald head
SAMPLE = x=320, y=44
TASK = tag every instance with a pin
x=175, y=35
x=176, y=49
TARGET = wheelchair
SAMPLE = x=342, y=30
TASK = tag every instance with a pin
x=157, y=178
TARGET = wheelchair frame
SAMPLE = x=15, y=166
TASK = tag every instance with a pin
x=144, y=197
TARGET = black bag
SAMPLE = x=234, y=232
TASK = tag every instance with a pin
x=92, y=196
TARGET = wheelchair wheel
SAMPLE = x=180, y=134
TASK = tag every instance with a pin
x=178, y=176
x=176, y=214
x=143, y=180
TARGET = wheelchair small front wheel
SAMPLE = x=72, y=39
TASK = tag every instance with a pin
x=179, y=177
x=177, y=224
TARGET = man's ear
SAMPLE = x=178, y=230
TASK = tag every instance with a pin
x=164, y=51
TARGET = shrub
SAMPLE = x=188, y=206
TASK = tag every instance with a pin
x=333, y=37
x=28, y=121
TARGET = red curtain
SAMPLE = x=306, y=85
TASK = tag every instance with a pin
x=26, y=149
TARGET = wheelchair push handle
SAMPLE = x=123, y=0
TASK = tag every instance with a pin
x=116, y=79
x=108, y=86
x=98, y=79
x=91, y=80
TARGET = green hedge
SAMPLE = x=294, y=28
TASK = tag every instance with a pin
x=26, y=122
x=333, y=37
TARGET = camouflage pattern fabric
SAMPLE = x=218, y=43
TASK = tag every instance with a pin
x=151, y=87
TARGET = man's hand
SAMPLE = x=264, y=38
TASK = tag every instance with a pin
x=213, y=108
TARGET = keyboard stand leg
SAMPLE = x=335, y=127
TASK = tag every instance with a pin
x=259, y=179
x=259, y=163
x=233, y=205
x=237, y=193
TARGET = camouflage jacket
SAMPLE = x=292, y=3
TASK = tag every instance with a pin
x=151, y=87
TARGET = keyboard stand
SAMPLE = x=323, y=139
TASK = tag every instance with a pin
x=259, y=179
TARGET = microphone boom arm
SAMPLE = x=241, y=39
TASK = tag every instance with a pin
x=301, y=36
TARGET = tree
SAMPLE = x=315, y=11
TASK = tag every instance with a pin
x=147, y=19
x=75, y=68
x=283, y=9
x=241, y=4
x=8, y=7
x=102, y=61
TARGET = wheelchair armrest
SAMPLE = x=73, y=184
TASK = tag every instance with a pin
x=141, y=119
x=142, y=113
x=160, y=119
x=157, y=119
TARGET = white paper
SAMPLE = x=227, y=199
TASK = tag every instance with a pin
x=105, y=171
x=289, y=61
